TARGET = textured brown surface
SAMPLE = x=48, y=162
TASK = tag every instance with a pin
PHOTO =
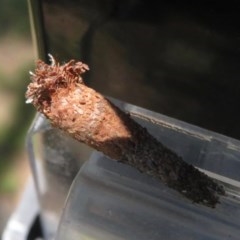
x=60, y=94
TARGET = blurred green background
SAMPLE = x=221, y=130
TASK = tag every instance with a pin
x=16, y=59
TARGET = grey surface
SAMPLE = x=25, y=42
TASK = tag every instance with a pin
x=55, y=159
x=109, y=200
x=112, y=201
x=22, y=219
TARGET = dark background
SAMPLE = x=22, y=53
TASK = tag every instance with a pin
x=178, y=58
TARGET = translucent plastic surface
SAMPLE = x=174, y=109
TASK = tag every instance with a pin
x=55, y=160
x=109, y=200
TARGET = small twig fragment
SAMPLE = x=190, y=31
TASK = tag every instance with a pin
x=59, y=92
